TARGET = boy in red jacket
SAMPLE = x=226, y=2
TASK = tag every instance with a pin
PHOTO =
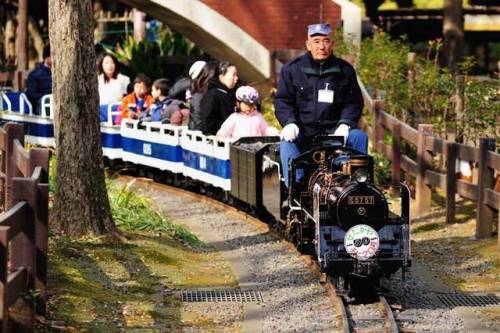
x=139, y=100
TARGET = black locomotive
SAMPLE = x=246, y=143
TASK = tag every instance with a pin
x=331, y=207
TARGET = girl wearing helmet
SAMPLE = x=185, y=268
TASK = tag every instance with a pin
x=247, y=120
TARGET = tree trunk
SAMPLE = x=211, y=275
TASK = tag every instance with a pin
x=81, y=202
x=10, y=40
x=37, y=39
x=453, y=32
x=100, y=26
x=22, y=35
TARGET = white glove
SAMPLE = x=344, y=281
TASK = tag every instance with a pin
x=272, y=131
x=342, y=130
x=289, y=132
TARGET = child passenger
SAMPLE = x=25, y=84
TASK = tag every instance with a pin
x=247, y=120
x=161, y=99
x=139, y=100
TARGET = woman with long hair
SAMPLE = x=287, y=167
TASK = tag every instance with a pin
x=219, y=101
x=112, y=84
x=200, y=73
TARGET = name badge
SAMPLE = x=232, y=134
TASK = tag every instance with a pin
x=325, y=96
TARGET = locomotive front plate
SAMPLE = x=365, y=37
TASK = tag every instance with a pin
x=360, y=200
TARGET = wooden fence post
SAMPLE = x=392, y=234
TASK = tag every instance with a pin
x=486, y=176
x=424, y=162
x=451, y=181
x=23, y=252
x=378, y=133
x=14, y=131
x=40, y=157
x=4, y=250
x=396, y=154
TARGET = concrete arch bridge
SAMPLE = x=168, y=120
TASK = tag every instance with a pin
x=250, y=34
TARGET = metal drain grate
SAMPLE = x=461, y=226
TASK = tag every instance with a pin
x=222, y=295
x=453, y=300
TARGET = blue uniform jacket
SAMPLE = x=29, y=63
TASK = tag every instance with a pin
x=39, y=83
x=296, y=100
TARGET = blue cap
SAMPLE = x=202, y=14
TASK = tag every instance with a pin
x=319, y=29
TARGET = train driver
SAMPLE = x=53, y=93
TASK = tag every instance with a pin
x=318, y=94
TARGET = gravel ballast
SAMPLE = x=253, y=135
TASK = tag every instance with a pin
x=294, y=298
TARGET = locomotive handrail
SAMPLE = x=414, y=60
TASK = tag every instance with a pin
x=482, y=190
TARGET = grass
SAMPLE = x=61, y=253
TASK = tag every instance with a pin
x=135, y=213
x=99, y=286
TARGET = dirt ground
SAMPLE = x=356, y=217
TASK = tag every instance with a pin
x=452, y=253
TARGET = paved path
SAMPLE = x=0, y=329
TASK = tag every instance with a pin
x=294, y=299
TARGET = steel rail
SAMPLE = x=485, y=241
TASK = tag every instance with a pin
x=389, y=318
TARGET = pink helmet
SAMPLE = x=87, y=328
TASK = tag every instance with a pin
x=247, y=94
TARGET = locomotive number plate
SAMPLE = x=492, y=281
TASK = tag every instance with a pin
x=361, y=200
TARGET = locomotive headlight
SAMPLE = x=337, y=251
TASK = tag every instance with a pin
x=360, y=175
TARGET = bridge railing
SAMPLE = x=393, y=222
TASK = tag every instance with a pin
x=427, y=176
x=23, y=230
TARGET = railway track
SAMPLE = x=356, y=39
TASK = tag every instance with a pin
x=347, y=319
x=382, y=321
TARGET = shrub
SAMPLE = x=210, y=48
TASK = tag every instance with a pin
x=134, y=212
x=152, y=58
x=417, y=90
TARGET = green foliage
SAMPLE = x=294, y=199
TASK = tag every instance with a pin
x=382, y=169
x=343, y=48
x=52, y=173
x=417, y=90
x=382, y=67
x=267, y=108
x=134, y=212
x=151, y=58
x=481, y=107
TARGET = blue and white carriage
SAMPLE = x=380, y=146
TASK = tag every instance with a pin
x=111, y=138
x=206, y=158
x=152, y=144
x=161, y=146
x=17, y=108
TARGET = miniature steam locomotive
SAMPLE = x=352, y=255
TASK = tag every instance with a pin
x=331, y=207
